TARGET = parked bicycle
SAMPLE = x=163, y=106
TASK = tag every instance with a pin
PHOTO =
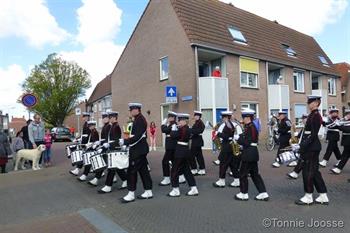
x=272, y=136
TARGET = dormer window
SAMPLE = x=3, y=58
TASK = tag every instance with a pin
x=323, y=61
x=290, y=52
x=237, y=35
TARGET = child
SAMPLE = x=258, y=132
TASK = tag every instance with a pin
x=48, y=143
x=18, y=142
x=152, y=130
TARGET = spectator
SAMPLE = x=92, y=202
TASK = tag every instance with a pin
x=27, y=143
x=217, y=72
x=36, y=132
x=257, y=123
x=72, y=130
x=47, y=152
x=18, y=142
x=5, y=151
x=152, y=130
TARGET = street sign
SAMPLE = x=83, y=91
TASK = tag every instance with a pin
x=29, y=100
x=170, y=94
x=77, y=111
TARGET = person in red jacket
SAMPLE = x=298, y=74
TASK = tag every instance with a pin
x=217, y=72
x=152, y=131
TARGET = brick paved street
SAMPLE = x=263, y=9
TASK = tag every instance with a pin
x=49, y=200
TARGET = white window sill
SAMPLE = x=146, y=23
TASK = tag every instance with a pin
x=249, y=87
x=299, y=92
x=162, y=79
x=333, y=95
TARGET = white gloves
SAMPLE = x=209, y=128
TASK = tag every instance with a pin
x=221, y=128
x=174, y=127
x=97, y=143
x=236, y=137
x=106, y=145
x=337, y=122
x=124, y=148
x=99, y=151
x=94, y=146
x=295, y=147
x=88, y=145
x=121, y=142
x=164, y=121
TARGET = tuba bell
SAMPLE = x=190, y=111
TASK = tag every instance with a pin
x=293, y=139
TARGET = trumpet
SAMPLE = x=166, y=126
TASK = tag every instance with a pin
x=236, y=148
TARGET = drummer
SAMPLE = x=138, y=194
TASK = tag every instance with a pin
x=104, y=138
x=112, y=142
x=90, y=146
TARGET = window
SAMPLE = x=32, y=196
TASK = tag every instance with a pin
x=290, y=52
x=237, y=35
x=253, y=106
x=249, y=72
x=249, y=80
x=299, y=110
x=164, y=68
x=332, y=86
x=323, y=60
x=298, y=81
x=274, y=76
x=100, y=106
x=315, y=83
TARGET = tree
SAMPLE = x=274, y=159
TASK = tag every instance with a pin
x=58, y=84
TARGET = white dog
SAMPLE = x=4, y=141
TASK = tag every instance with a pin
x=32, y=155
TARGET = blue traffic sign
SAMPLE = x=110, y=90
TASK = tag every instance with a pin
x=170, y=94
x=29, y=100
x=170, y=91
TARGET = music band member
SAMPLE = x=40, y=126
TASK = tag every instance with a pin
x=284, y=126
x=332, y=137
x=250, y=157
x=310, y=148
x=93, y=141
x=104, y=138
x=225, y=132
x=182, y=134
x=196, y=145
x=170, y=146
x=138, y=150
x=84, y=140
x=112, y=141
x=345, y=142
x=298, y=167
x=235, y=165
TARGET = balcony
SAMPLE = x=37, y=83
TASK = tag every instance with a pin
x=278, y=96
x=213, y=92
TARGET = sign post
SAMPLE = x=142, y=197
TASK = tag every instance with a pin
x=29, y=101
x=170, y=95
x=78, y=113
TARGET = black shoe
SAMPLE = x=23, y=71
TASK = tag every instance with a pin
x=299, y=202
x=217, y=186
x=122, y=200
x=102, y=192
x=143, y=198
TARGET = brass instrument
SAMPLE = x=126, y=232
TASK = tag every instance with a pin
x=293, y=139
x=217, y=143
x=236, y=148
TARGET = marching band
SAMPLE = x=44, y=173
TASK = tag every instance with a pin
x=125, y=154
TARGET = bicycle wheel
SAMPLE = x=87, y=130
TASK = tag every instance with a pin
x=270, y=143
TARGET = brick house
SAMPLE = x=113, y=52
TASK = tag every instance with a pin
x=100, y=100
x=264, y=65
x=16, y=124
x=344, y=72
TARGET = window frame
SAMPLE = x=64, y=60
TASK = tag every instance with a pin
x=334, y=87
x=323, y=60
x=250, y=103
x=161, y=76
x=242, y=71
x=295, y=118
x=289, y=50
x=303, y=80
x=241, y=40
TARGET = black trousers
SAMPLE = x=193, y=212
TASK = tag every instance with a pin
x=252, y=169
x=3, y=168
x=138, y=165
x=299, y=166
x=311, y=175
x=228, y=160
x=87, y=169
x=332, y=147
x=344, y=157
x=168, y=156
x=197, y=157
x=111, y=173
x=181, y=164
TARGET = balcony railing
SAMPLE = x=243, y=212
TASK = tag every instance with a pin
x=213, y=92
x=278, y=96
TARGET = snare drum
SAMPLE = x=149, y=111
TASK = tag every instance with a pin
x=70, y=149
x=118, y=160
x=98, y=163
x=87, y=156
x=77, y=157
x=288, y=156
